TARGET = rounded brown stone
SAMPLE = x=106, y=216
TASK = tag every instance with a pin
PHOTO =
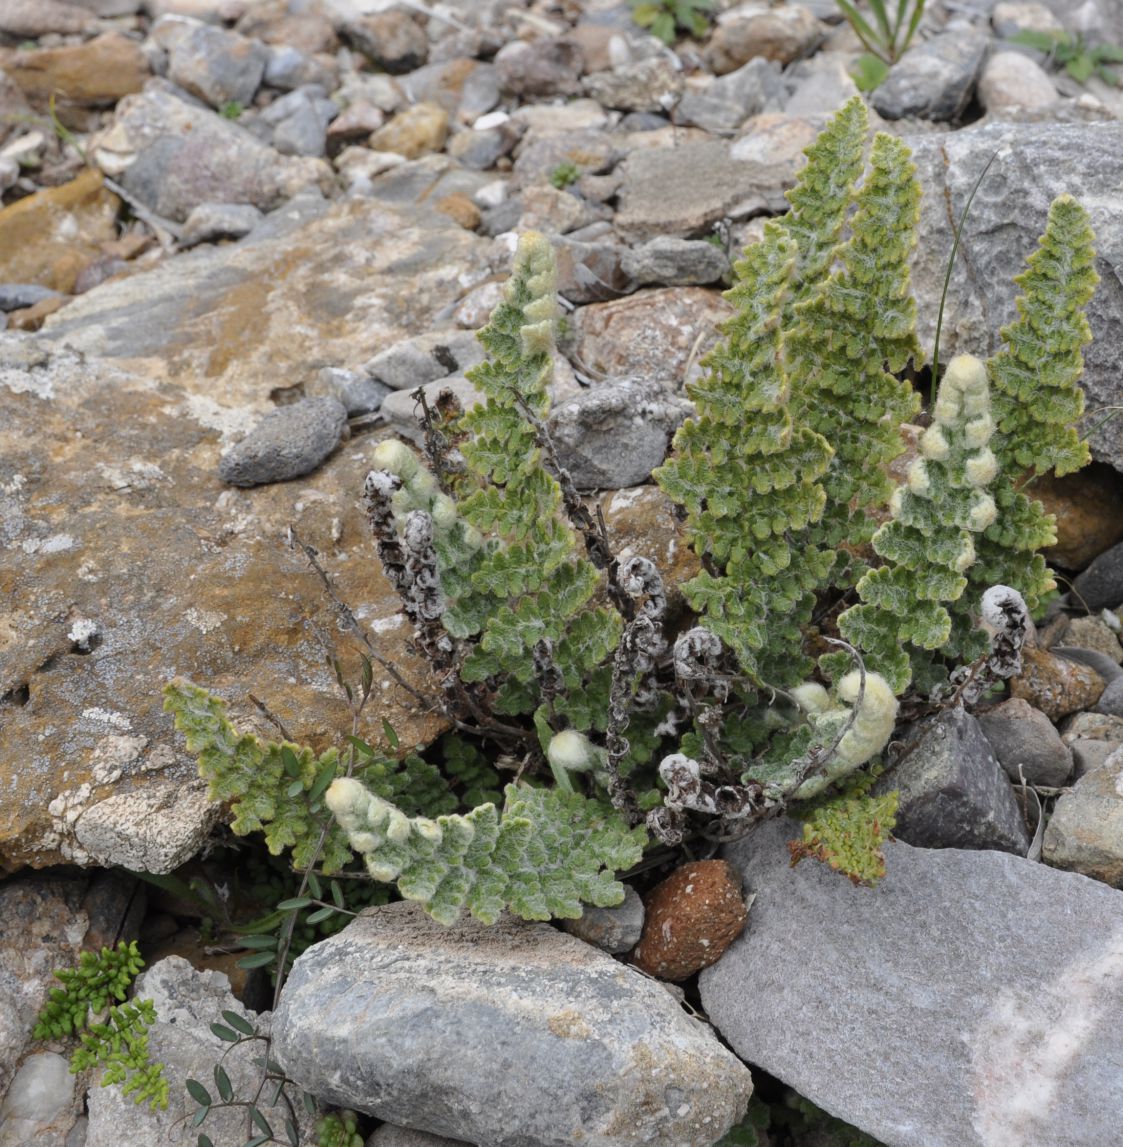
x=692, y=917
x=1055, y=685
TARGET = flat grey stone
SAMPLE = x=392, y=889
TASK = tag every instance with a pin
x=1027, y=743
x=1085, y=832
x=287, y=443
x=1101, y=584
x=669, y=262
x=1111, y=699
x=359, y=393
x=971, y=999
x=1089, y=754
x=388, y=1135
x=211, y=221
x=514, y=1035
x=298, y=121
x=614, y=434
x=935, y=79
x=683, y=190
x=953, y=791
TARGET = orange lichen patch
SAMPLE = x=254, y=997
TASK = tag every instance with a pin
x=692, y=917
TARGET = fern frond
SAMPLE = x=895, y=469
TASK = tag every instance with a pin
x=545, y=854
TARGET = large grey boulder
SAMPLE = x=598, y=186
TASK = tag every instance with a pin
x=1035, y=163
x=972, y=999
x=514, y=1035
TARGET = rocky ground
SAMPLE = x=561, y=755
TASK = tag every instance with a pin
x=234, y=236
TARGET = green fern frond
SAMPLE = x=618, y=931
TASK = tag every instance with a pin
x=269, y=786
x=859, y=321
x=847, y=834
x=545, y=854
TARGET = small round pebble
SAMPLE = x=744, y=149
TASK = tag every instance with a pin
x=287, y=443
x=610, y=929
x=692, y=917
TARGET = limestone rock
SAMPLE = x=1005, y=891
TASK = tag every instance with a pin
x=175, y=155
x=50, y=237
x=219, y=67
x=614, y=434
x=725, y=103
x=934, y=79
x=984, y=1029
x=653, y=334
x=211, y=221
x=99, y=72
x=287, y=443
x=29, y=19
x=1010, y=80
x=416, y=131
x=648, y=85
x=692, y=918
x=392, y=40
x=187, y=1003
x=782, y=34
x=1085, y=832
x=112, y=514
x=514, y=1033
x=1093, y=633
x=548, y=67
x=38, y=1107
x=669, y=262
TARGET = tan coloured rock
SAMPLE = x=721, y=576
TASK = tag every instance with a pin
x=641, y=521
x=1088, y=506
x=27, y=19
x=782, y=34
x=1085, y=832
x=692, y=917
x=126, y=561
x=51, y=236
x=414, y=132
x=1055, y=685
x=96, y=73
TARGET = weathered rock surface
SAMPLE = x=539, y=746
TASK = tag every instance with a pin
x=614, y=434
x=174, y=155
x=953, y=792
x=187, y=1003
x=985, y=1032
x=114, y=517
x=1101, y=584
x=1056, y=685
x=610, y=929
x=1085, y=832
x=933, y=79
x=653, y=334
x=1036, y=163
x=514, y=1034
x=1027, y=743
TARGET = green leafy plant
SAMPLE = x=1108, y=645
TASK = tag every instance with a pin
x=666, y=18
x=554, y=653
x=111, y=1034
x=565, y=174
x=1073, y=53
x=232, y=109
x=892, y=29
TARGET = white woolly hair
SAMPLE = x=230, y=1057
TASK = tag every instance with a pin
x=983, y=513
x=811, y=697
x=873, y=725
x=982, y=469
x=933, y=444
x=571, y=750
x=978, y=431
x=918, y=478
x=396, y=457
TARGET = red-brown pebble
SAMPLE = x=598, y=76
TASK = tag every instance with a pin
x=692, y=917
